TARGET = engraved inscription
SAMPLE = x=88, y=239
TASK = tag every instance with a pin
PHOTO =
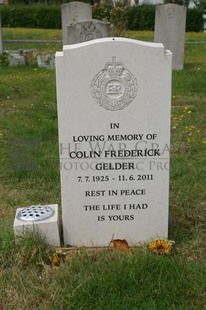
x=114, y=87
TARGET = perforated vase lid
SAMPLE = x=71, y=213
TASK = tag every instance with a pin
x=35, y=213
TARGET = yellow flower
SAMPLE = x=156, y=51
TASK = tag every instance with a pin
x=161, y=246
x=57, y=258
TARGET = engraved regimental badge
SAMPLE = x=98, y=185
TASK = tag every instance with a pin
x=114, y=87
x=89, y=32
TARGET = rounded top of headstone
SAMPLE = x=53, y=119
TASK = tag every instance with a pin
x=35, y=213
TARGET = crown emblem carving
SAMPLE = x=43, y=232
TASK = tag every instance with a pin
x=114, y=68
x=114, y=88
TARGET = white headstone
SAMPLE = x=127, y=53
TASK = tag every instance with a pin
x=74, y=12
x=170, y=22
x=87, y=30
x=114, y=98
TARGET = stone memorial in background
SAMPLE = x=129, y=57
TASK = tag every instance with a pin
x=114, y=100
x=170, y=22
x=15, y=59
x=74, y=12
x=87, y=30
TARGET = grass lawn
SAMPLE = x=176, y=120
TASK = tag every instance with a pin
x=29, y=174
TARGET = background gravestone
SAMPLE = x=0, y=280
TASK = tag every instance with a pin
x=170, y=22
x=74, y=12
x=87, y=30
x=114, y=135
x=15, y=59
